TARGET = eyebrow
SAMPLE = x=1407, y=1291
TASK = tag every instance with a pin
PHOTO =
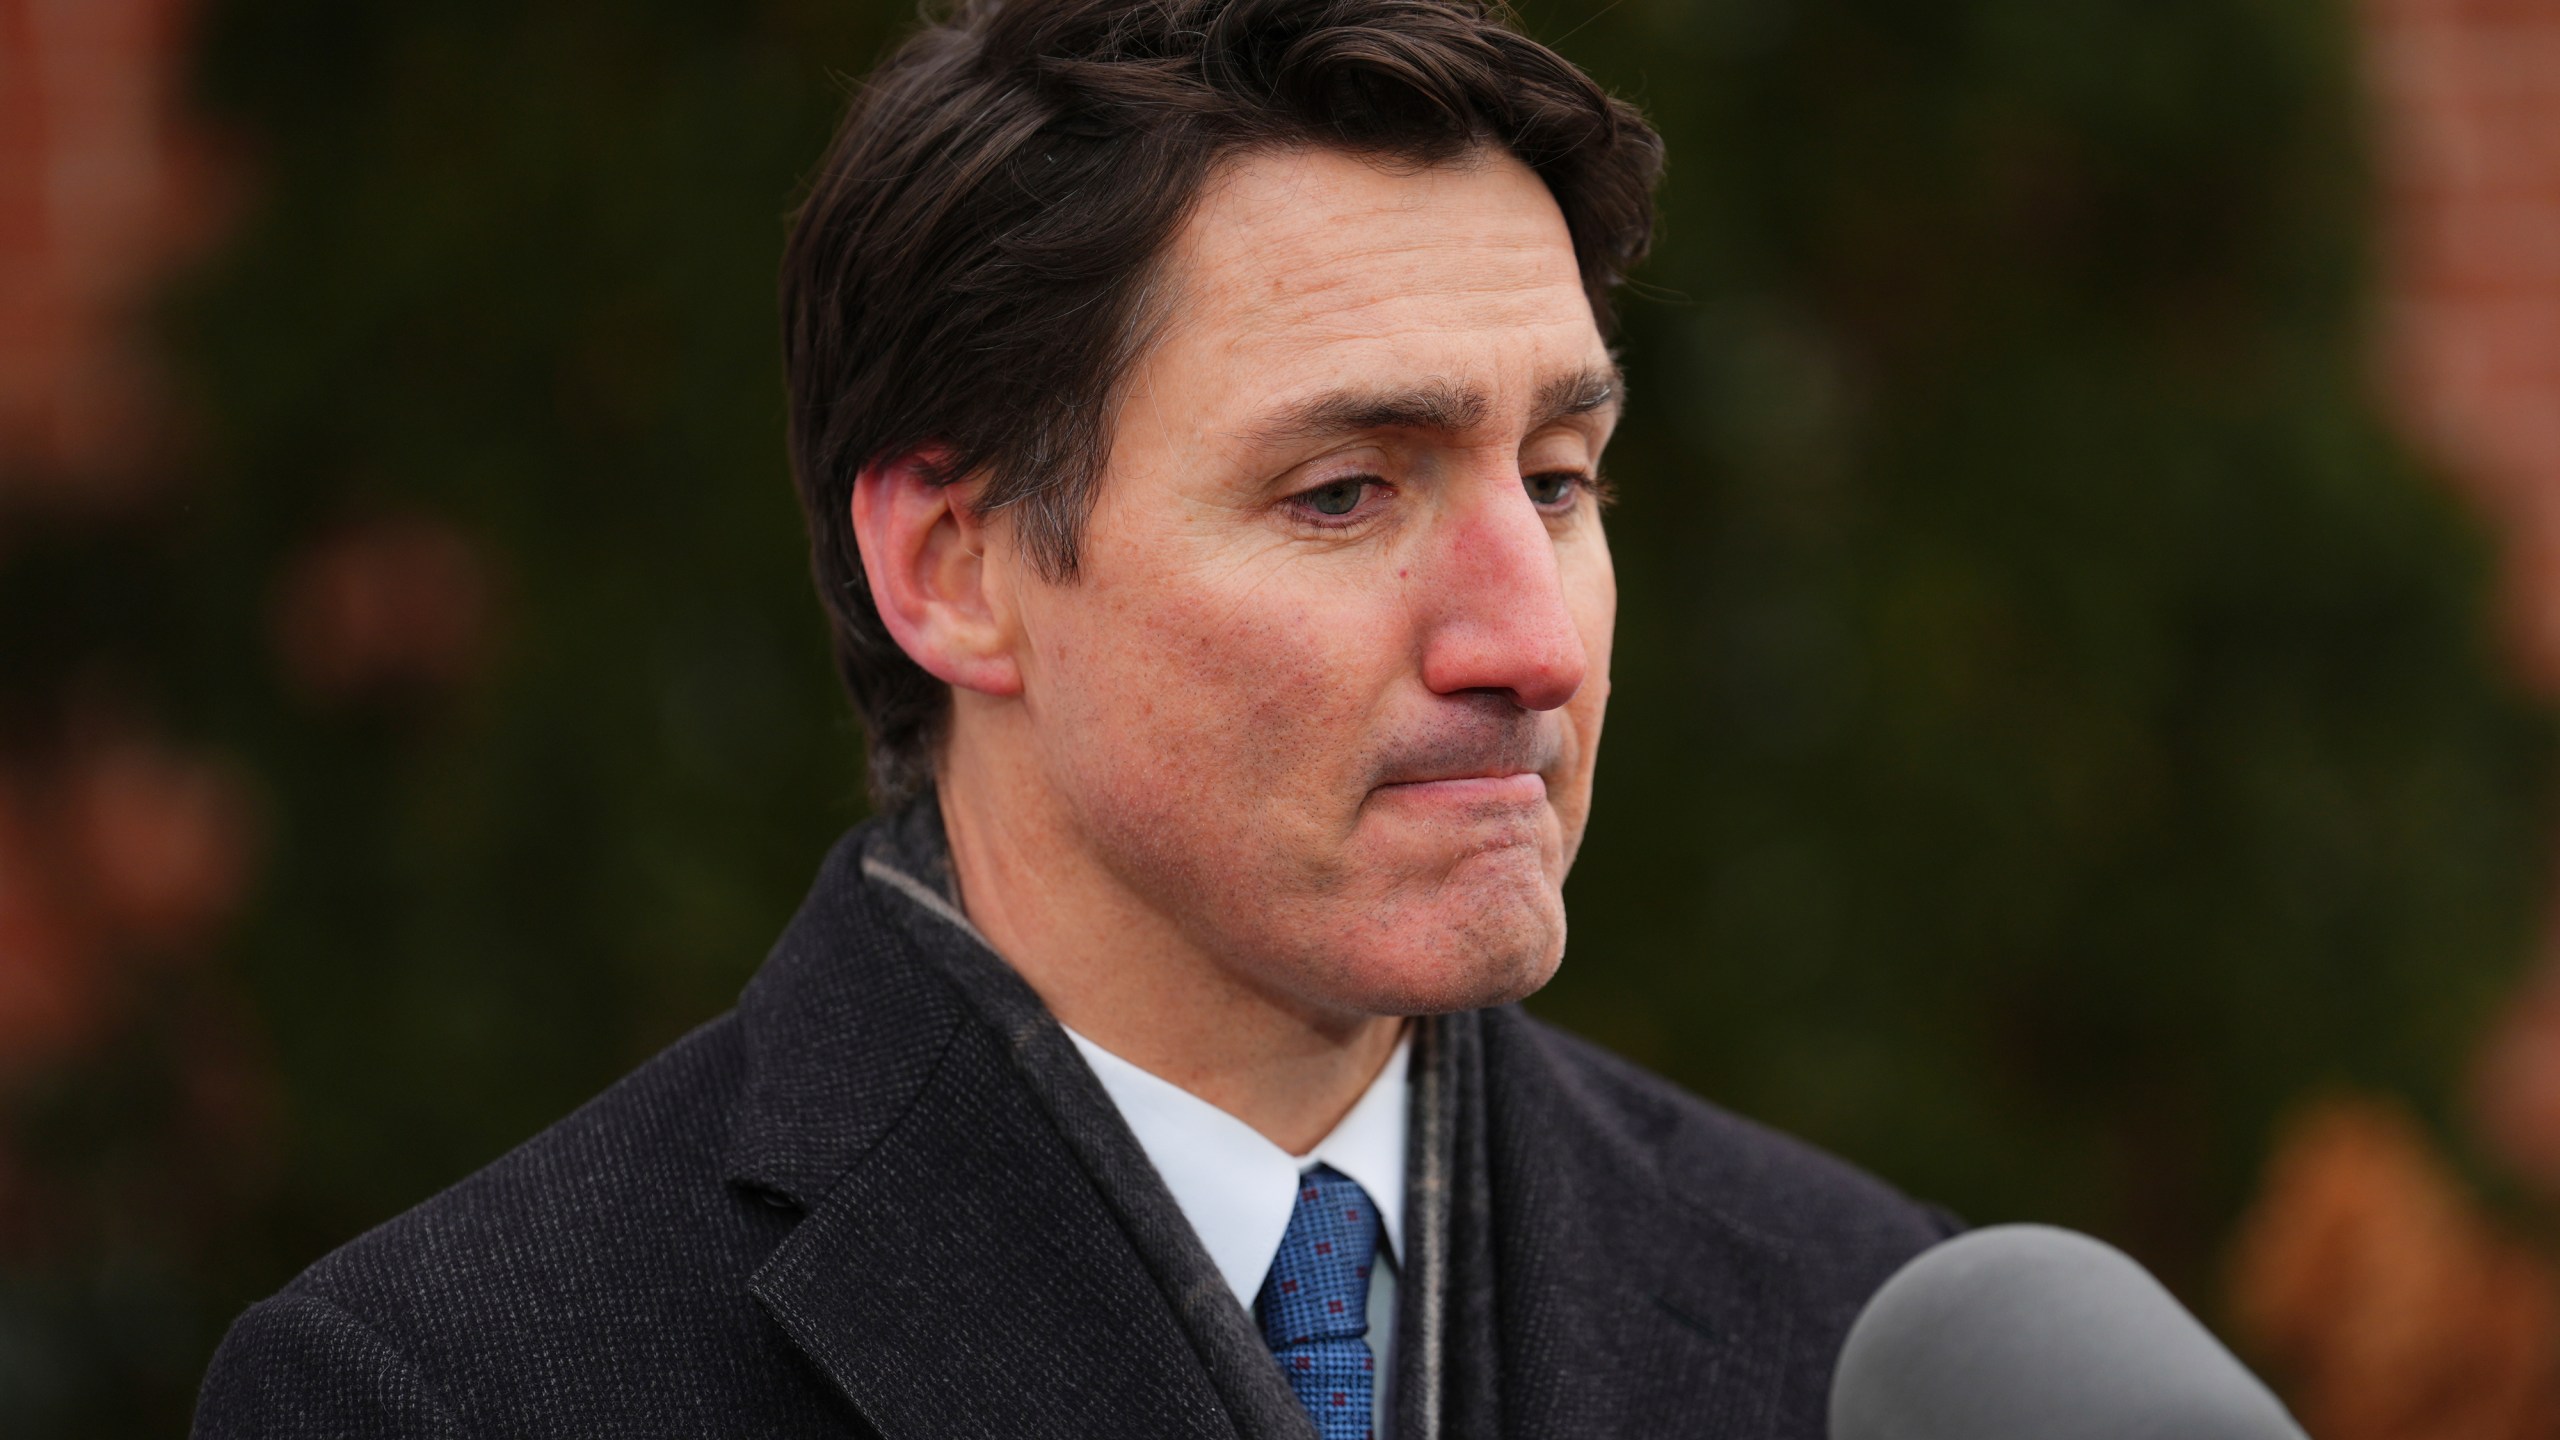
x=1581, y=392
x=1431, y=405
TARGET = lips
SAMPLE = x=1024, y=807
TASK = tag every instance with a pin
x=1481, y=751
x=1517, y=787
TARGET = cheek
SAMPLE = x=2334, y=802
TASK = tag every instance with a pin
x=1172, y=689
x=1592, y=592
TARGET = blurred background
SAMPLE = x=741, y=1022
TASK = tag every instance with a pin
x=2091, y=556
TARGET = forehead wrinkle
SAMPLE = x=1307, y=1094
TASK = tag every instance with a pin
x=1343, y=288
x=1295, y=273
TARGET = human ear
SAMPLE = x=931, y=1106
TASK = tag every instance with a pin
x=924, y=554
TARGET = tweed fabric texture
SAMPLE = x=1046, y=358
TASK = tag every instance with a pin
x=1314, y=1303
x=842, y=1210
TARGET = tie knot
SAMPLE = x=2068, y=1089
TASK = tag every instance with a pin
x=1318, y=1288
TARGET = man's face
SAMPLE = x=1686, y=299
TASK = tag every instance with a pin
x=1328, y=688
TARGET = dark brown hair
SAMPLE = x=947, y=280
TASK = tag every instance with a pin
x=971, y=269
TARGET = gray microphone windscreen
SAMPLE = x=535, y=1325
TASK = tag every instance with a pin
x=2027, y=1332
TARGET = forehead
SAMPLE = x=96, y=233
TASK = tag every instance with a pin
x=1305, y=269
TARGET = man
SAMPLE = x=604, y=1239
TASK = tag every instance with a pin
x=1199, y=406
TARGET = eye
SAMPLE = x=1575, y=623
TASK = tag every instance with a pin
x=1336, y=499
x=1553, y=488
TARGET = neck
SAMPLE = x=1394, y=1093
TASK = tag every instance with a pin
x=1126, y=977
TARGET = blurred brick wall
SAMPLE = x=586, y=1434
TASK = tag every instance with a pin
x=122, y=851
x=2467, y=105
x=102, y=187
x=2467, y=109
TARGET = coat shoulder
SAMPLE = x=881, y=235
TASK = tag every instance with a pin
x=636, y=1164
x=580, y=1273
x=1765, y=1185
x=296, y=1367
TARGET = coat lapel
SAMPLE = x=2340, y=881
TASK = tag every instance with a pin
x=964, y=1279
x=954, y=1270
x=1616, y=1308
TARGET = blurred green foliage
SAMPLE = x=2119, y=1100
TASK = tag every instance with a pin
x=2055, y=724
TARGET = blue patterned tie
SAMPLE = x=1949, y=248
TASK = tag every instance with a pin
x=1315, y=1303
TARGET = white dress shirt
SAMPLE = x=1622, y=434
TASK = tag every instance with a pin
x=1238, y=1189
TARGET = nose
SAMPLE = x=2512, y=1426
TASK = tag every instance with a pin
x=1500, y=618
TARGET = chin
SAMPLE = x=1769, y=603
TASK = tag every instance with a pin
x=1475, y=980
x=1464, y=948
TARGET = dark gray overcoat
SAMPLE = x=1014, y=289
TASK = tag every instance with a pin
x=885, y=1197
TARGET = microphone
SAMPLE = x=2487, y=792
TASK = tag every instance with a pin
x=2028, y=1332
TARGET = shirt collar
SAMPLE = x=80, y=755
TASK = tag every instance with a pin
x=1237, y=1188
